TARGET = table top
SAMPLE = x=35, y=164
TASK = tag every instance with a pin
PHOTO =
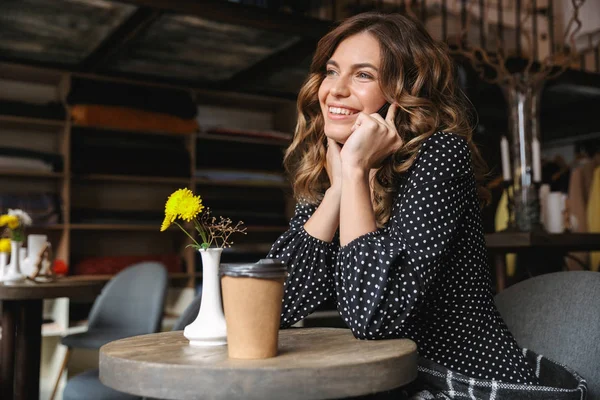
x=61, y=287
x=313, y=363
x=515, y=241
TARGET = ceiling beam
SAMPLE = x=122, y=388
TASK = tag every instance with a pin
x=243, y=15
x=288, y=57
x=113, y=43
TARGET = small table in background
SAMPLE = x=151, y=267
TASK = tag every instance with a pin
x=529, y=243
x=22, y=330
x=313, y=363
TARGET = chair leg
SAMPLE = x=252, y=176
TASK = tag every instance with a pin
x=62, y=369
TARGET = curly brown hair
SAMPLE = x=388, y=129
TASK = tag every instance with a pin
x=417, y=73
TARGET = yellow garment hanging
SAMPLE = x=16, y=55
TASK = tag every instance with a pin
x=501, y=223
x=593, y=216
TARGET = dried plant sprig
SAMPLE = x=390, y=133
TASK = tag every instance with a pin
x=185, y=206
x=217, y=231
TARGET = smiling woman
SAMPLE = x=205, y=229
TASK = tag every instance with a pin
x=388, y=218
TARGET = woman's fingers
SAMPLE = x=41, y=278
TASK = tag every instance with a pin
x=391, y=114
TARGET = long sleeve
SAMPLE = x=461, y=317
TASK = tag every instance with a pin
x=310, y=264
x=380, y=277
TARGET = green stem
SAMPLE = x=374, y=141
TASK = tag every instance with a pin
x=186, y=232
x=202, y=233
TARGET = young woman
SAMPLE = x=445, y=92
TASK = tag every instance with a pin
x=388, y=215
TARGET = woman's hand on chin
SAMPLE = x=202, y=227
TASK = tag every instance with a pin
x=371, y=141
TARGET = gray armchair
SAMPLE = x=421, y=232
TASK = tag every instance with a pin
x=558, y=315
x=88, y=386
x=130, y=304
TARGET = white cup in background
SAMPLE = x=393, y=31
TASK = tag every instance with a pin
x=543, y=194
x=555, y=206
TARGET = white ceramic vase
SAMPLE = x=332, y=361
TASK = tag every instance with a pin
x=35, y=244
x=3, y=262
x=209, y=328
x=12, y=273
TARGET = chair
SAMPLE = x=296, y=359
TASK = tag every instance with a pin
x=86, y=383
x=558, y=315
x=130, y=304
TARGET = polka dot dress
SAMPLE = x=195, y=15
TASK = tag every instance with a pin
x=424, y=275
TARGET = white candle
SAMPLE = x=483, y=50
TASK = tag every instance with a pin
x=536, y=159
x=505, y=158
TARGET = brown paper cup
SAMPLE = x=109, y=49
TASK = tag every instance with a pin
x=252, y=311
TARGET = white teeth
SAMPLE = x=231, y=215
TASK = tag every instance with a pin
x=339, y=110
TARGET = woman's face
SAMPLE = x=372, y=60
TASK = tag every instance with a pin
x=351, y=85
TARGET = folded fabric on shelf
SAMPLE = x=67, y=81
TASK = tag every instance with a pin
x=20, y=163
x=263, y=134
x=210, y=154
x=111, y=265
x=95, y=152
x=131, y=119
x=52, y=159
x=51, y=110
x=43, y=208
x=98, y=216
x=239, y=176
x=179, y=103
x=258, y=199
x=252, y=217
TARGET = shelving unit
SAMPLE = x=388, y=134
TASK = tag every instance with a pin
x=74, y=188
x=73, y=239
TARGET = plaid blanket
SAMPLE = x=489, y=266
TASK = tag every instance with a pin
x=556, y=382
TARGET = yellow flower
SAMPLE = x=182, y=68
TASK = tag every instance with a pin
x=181, y=204
x=11, y=220
x=4, y=245
x=190, y=207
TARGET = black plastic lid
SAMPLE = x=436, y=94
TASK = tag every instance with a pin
x=266, y=268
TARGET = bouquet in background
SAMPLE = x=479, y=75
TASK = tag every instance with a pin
x=184, y=205
x=15, y=222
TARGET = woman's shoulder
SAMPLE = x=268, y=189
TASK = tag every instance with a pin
x=443, y=155
x=445, y=142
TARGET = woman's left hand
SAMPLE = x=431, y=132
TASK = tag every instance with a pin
x=371, y=141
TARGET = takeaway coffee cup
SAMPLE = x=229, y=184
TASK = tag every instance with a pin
x=252, y=295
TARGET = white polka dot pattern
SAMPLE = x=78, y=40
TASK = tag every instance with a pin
x=424, y=275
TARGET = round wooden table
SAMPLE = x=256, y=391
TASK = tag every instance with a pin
x=313, y=363
x=22, y=330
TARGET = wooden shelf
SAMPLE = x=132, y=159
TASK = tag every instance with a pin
x=156, y=228
x=132, y=178
x=30, y=173
x=52, y=227
x=248, y=248
x=243, y=139
x=172, y=276
x=110, y=129
x=259, y=228
x=17, y=123
x=116, y=227
x=210, y=182
x=518, y=241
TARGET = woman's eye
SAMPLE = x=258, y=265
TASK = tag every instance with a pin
x=329, y=72
x=364, y=75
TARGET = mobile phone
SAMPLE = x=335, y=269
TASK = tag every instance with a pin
x=383, y=110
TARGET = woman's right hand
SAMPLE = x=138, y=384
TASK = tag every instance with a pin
x=334, y=165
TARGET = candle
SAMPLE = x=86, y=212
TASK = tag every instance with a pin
x=505, y=159
x=537, y=161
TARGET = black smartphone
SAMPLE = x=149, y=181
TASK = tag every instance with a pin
x=383, y=110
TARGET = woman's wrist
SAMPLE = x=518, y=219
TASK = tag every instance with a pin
x=354, y=172
x=334, y=190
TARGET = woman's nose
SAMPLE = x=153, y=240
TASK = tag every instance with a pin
x=340, y=87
